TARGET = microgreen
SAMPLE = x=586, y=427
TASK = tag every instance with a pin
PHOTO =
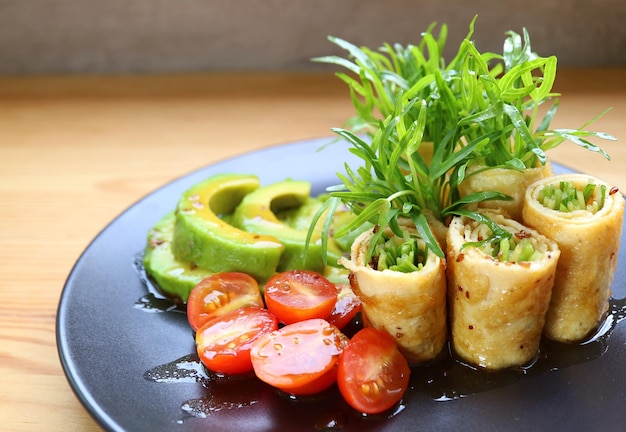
x=477, y=108
x=395, y=183
x=481, y=91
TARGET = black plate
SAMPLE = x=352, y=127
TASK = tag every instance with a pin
x=107, y=346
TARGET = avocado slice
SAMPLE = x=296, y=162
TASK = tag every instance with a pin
x=258, y=211
x=203, y=237
x=175, y=278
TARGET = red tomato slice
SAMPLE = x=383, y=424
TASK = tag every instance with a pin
x=298, y=295
x=224, y=343
x=221, y=293
x=372, y=375
x=347, y=306
x=300, y=358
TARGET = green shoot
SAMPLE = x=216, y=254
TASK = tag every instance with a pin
x=477, y=108
x=486, y=94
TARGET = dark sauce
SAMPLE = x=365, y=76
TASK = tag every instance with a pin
x=444, y=379
x=154, y=300
x=222, y=392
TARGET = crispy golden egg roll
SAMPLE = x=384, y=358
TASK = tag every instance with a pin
x=410, y=306
x=498, y=294
x=510, y=182
x=586, y=223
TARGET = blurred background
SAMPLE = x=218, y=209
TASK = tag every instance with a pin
x=169, y=36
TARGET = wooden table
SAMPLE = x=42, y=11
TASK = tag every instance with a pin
x=77, y=151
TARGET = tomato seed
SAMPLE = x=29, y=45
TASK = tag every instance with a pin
x=328, y=331
x=214, y=300
x=385, y=375
x=370, y=389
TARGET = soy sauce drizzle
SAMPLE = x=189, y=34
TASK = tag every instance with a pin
x=153, y=301
x=222, y=392
x=185, y=369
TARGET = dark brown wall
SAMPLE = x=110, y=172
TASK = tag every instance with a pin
x=128, y=36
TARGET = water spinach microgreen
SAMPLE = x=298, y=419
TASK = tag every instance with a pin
x=421, y=120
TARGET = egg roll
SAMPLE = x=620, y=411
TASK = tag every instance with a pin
x=497, y=306
x=508, y=181
x=589, y=240
x=410, y=306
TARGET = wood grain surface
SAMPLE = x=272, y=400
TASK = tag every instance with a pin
x=76, y=151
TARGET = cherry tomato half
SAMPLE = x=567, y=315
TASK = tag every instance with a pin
x=224, y=343
x=298, y=295
x=221, y=293
x=372, y=375
x=347, y=306
x=299, y=358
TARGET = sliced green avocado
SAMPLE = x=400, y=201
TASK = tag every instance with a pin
x=174, y=277
x=299, y=217
x=258, y=211
x=204, y=238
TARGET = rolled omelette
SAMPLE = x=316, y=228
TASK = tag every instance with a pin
x=589, y=243
x=497, y=308
x=510, y=182
x=411, y=307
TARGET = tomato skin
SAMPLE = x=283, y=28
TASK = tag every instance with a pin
x=299, y=358
x=224, y=343
x=298, y=295
x=346, y=307
x=372, y=375
x=221, y=293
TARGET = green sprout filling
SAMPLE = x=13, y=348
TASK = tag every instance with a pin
x=401, y=254
x=512, y=250
x=567, y=197
x=502, y=245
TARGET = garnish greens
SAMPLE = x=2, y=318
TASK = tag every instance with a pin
x=484, y=93
x=567, y=197
x=396, y=184
x=478, y=108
